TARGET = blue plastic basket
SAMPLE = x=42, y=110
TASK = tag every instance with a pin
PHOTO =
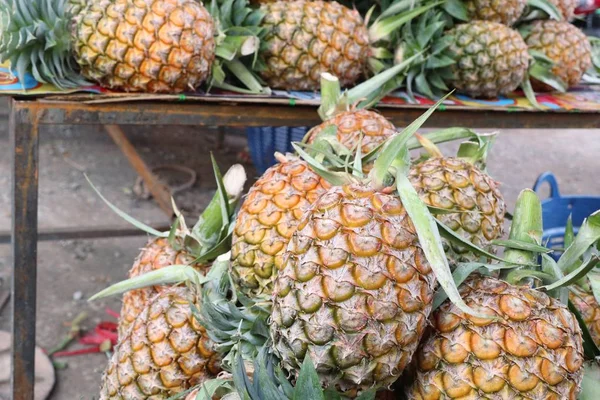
x=265, y=141
x=556, y=210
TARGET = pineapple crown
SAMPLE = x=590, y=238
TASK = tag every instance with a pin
x=36, y=38
x=211, y=235
x=427, y=38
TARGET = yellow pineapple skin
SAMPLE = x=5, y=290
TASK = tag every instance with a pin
x=454, y=184
x=370, y=127
x=533, y=350
x=355, y=291
x=564, y=44
x=505, y=12
x=307, y=38
x=491, y=59
x=166, y=351
x=157, y=254
x=589, y=309
x=154, y=46
x=266, y=221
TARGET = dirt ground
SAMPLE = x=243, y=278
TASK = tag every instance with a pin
x=71, y=271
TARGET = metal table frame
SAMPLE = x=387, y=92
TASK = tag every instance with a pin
x=26, y=116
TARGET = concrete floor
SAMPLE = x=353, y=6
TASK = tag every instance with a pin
x=87, y=266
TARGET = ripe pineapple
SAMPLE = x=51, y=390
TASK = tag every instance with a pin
x=564, y=44
x=166, y=352
x=588, y=307
x=504, y=12
x=267, y=218
x=532, y=350
x=195, y=247
x=157, y=254
x=305, y=38
x=454, y=183
x=370, y=127
x=355, y=291
x=479, y=58
x=157, y=46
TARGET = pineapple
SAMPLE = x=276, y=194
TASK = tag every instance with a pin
x=479, y=58
x=368, y=127
x=305, y=38
x=195, y=247
x=504, y=12
x=532, y=349
x=564, y=44
x=157, y=254
x=166, y=351
x=588, y=307
x=267, y=218
x=355, y=291
x=156, y=46
x=454, y=183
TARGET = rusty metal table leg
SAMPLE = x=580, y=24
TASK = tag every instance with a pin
x=23, y=133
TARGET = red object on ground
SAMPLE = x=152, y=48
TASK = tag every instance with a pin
x=587, y=6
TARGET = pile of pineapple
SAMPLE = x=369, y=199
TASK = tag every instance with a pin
x=482, y=48
x=352, y=271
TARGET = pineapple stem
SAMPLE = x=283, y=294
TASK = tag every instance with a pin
x=526, y=227
x=215, y=217
x=331, y=92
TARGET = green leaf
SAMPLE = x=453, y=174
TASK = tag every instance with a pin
x=549, y=8
x=430, y=241
x=569, y=232
x=173, y=274
x=308, y=385
x=588, y=234
x=460, y=274
x=453, y=237
x=126, y=217
x=396, y=143
x=457, y=9
x=383, y=27
x=335, y=178
x=576, y=274
x=590, y=349
x=521, y=245
x=594, y=280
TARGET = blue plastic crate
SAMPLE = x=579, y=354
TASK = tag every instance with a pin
x=556, y=210
x=264, y=141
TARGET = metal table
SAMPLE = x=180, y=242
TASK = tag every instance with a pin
x=26, y=116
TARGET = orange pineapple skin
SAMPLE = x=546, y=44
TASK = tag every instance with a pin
x=165, y=352
x=455, y=184
x=533, y=350
x=372, y=128
x=564, y=44
x=157, y=254
x=355, y=291
x=154, y=46
x=307, y=38
x=266, y=221
x=589, y=309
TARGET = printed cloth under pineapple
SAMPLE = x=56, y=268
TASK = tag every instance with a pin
x=583, y=98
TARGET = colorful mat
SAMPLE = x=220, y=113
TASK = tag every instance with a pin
x=583, y=98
